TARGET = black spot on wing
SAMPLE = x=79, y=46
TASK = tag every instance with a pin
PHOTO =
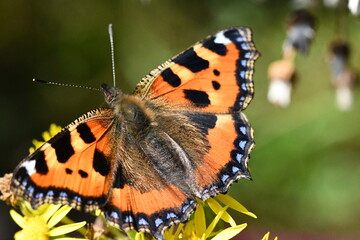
x=216, y=72
x=199, y=98
x=85, y=133
x=100, y=163
x=68, y=171
x=120, y=179
x=83, y=174
x=204, y=121
x=62, y=145
x=40, y=165
x=216, y=85
x=171, y=78
x=21, y=175
x=218, y=48
x=192, y=61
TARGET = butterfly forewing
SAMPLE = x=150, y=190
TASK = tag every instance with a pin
x=214, y=75
x=144, y=161
x=71, y=168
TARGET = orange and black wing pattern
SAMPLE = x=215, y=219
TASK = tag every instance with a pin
x=231, y=140
x=181, y=136
x=72, y=168
x=214, y=75
x=152, y=211
x=212, y=81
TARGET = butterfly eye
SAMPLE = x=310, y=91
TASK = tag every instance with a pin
x=110, y=93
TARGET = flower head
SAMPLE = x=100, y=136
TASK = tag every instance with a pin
x=40, y=224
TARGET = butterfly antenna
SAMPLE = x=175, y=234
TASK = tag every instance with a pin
x=65, y=84
x=112, y=52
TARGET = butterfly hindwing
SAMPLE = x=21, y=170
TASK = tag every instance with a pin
x=231, y=139
x=144, y=161
x=152, y=211
x=214, y=75
x=71, y=168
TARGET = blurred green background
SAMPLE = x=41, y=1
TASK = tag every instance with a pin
x=306, y=165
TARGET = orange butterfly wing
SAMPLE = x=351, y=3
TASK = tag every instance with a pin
x=231, y=139
x=215, y=75
x=212, y=78
x=71, y=168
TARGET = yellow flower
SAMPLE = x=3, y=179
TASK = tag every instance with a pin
x=53, y=130
x=197, y=229
x=266, y=237
x=40, y=224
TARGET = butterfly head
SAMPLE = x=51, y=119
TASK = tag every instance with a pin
x=110, y=93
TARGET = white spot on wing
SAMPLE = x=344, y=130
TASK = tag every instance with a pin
x=170, y=215
x=243, y=130
x=128, y=219
x=185, y=207
x=143, y=222
x=239, y=157
x=114, y=215
x=244, y=62
x=242, y=144
x=221, y=39
x=235, y=169
x=29, y=166
x=224, y=178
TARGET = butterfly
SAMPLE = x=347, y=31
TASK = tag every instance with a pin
x=180, y=136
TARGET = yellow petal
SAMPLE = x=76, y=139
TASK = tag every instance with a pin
x=17, y=218
x=199, y=220
x=61, y=230
x=54, y=129
x=50, y=210
x=46, y=136
x=26, y=209
x=69, y=238
x=97, y=212
x=31, y=150
x=58, y=215
x=40, y=210
x=215, y=221
x=37, y=143
x=232, y=203
x=216, y=207
x=276, y=238
x=229, y=232
x=137, y=236
x=189, y=227
x=169, y=233
x=266, y=236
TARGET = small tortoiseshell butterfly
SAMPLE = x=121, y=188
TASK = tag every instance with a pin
x=181, y=135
